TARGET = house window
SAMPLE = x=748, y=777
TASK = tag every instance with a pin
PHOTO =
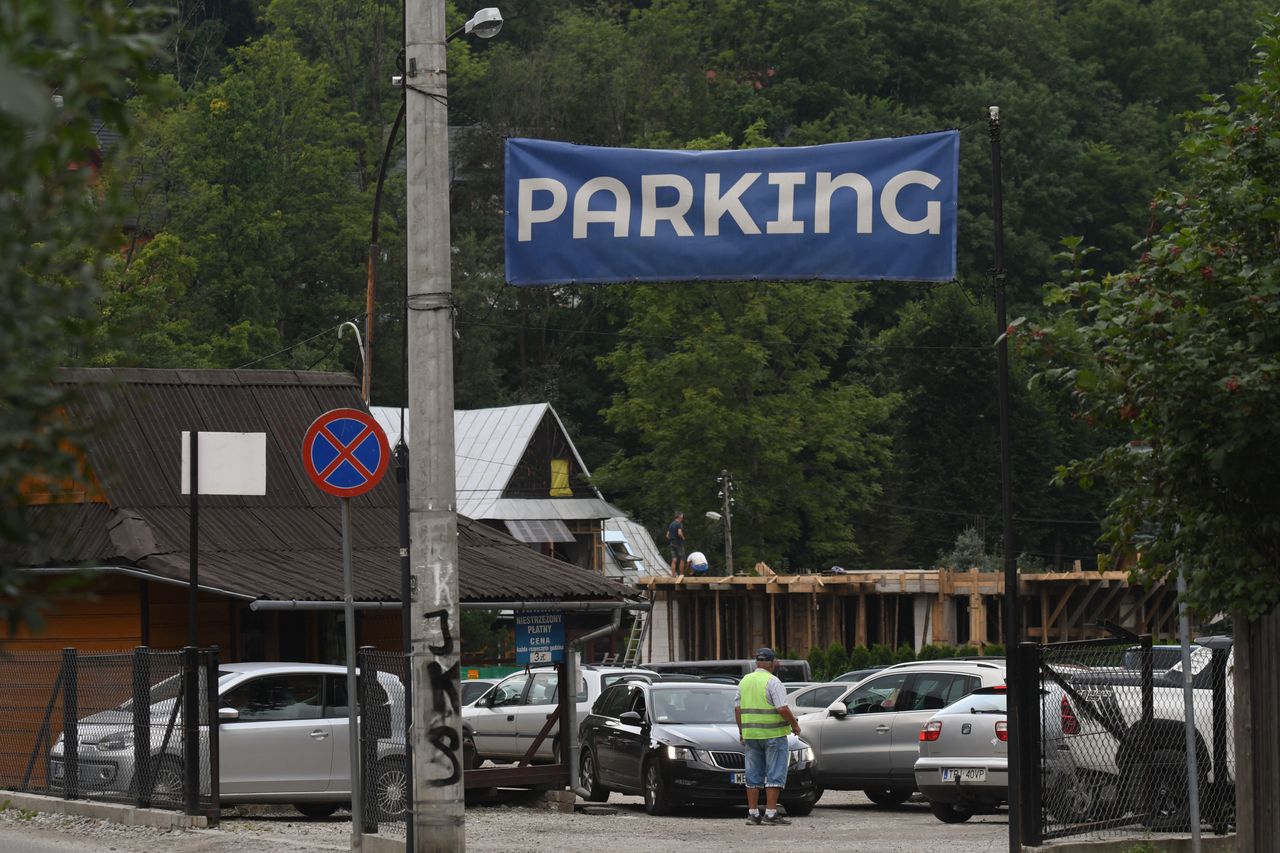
x=560, y=479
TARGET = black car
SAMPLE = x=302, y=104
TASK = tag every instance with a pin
x=677, y=744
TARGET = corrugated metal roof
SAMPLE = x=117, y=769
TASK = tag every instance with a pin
x=284, y=544
x=489, y=446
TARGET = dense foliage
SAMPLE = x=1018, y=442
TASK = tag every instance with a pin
x=67, y=68
x=858, y=421
x=1180, y=354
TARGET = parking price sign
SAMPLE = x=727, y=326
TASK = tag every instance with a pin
x=539, y=636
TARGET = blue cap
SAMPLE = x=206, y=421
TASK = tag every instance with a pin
x=765, y=654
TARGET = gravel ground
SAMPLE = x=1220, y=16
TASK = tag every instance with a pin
x=842, y=820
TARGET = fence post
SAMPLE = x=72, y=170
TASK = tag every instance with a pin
x=368, y=739
x=142, y=726
x=1030, y=794
x=1223, y=793
x=191, y=730
x=70, y=727
x=1146, y=745
x=213, y=702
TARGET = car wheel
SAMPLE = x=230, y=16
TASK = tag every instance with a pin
x=470, y=760
x=888, y=797
x=168, y=780
x=950, y=812
x=1167, y=805
x=390, y=789
x=798, y=808
x=655, y=790
x=1080, y=796
x=596, y=792
x=316, y=811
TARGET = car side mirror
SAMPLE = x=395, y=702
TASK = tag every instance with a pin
x=837, y=710
x=228, y=715
x=631, y=718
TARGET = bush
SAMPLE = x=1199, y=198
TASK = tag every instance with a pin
x=859, y=657
x=968, y=650
x=904, y=654
x=929, y=652
x=837, y=660
x=995, y=650
x=881, y=655
x=817, y=663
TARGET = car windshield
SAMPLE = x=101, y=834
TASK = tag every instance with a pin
x=168, y=690
x=697, y=705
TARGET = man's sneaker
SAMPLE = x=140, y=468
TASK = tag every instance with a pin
x=776, y=820
x=753, y=819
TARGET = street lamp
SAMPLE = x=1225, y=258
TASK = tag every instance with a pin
x=484, y=24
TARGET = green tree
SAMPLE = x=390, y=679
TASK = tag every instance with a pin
x=1180, y=353
x=739, y=376
x=255, y=175
x=837, y=660
x=60, y=223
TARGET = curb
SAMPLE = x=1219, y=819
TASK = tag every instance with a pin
x=1181, y=844
x=114, y=812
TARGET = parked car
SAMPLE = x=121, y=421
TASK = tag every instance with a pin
x=474, y=688
x=853, y=676
x=815, y=698
x=788, y=670
x=502, y=724
x=283, y=738
x=867, y=739
x=677, y=743
x=963, y=762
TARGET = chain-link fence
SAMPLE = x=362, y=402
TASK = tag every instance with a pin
x=1114, y=742
x=111, y=726
x=384, y=754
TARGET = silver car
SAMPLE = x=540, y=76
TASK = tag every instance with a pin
x=963, y=763
x=868, y=738
x=815, y=698
x=283, y=738
x=504, y=722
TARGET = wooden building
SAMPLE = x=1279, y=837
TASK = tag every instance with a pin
x=113, y=556
x=729, y=617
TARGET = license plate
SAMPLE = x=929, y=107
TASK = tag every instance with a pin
x=57, y=771
x=964, y=774
x=738, y=778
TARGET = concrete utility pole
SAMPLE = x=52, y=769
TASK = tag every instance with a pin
x=726, y=498
x=433, y=522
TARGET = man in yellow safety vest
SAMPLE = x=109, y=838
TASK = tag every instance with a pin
x=764, y=720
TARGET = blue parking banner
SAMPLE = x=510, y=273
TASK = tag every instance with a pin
x=539, y=636
x=849, y=211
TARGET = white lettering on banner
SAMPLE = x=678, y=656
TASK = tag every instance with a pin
x=715, y=204
x=786, y=222
x=827, y=187
x=932, y=222
x=650, y=212
x=583, y=215
x=528, y=216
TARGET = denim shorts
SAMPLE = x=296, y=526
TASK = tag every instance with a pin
x=767, y=762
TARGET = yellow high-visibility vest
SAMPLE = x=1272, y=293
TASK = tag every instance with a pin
x=760, y=720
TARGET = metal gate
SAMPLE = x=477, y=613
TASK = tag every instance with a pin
x=1105, y=743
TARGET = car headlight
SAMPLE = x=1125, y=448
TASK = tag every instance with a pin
x=804, y=754
x=681, y=753
x=115, y=742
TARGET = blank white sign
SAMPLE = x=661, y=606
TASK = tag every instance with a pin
x=231, y=463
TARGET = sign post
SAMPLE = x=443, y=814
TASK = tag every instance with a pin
x=345, y=454
x=235, y=463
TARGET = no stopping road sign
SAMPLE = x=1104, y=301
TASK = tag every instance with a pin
x=345, y=453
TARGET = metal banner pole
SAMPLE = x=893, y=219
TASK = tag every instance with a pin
x=1012, y=634
x=349, y=617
